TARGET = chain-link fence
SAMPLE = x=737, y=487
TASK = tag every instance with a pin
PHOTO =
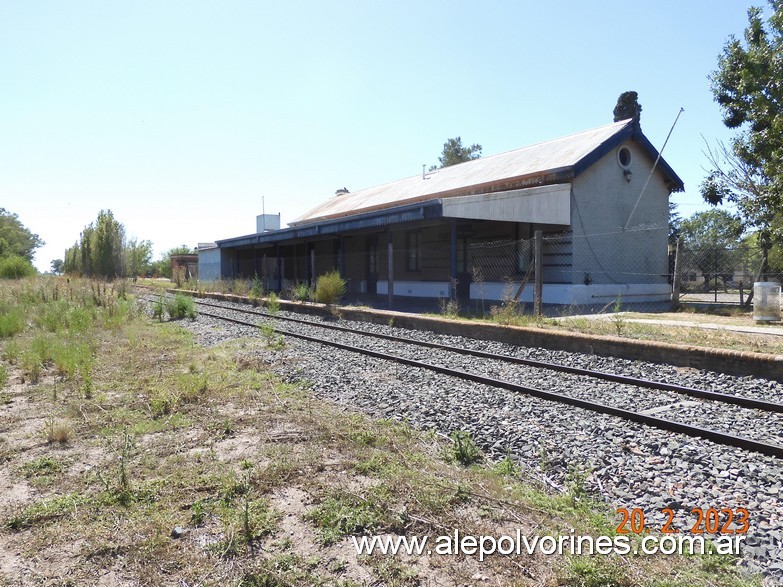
x=580, y=273
x=633, y=270
x=630, y=269
x=719, y=275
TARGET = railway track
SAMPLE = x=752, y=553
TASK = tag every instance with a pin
x=646, y=417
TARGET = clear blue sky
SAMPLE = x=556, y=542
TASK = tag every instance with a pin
x=180, y=116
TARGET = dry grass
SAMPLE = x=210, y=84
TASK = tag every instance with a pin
x=244, y=480
x=57, y=432
x=685, y=335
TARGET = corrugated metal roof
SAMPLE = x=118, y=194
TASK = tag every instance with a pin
x=551, y=157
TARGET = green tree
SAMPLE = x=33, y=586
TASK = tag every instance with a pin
x=138, y=255
x=57, y=266
x=85, y=251
x=15, y=238
x=712, y=228
x=454, y=153
x=107, y=246
x=15, y=267
x=100, y=251
x=713, y=239
x=72, y=264
x=675, y=223
x=627, y=107
x=749, y=171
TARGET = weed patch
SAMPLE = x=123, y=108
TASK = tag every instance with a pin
x=12, y=321
x=181, y=306
x=46, y=510
x=45, y=466
x=342, y=514
x=257, y=288
x=464, y=449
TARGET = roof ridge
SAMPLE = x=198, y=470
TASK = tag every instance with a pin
x=568, y=153
x=621, y=124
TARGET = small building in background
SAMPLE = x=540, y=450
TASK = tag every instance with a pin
x=184, y=267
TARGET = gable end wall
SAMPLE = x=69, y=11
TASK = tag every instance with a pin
x=604, y=253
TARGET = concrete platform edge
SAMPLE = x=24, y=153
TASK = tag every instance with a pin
x=727, y=361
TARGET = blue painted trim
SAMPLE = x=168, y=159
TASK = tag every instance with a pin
x=634, y=132
x=401, y=214
x=679, y=186
x=606, y=147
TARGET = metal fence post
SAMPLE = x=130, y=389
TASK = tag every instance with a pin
x=677, y=274
x=539, y=264
x=453, y=260
x=390, y=253
x=716, y=275
x=313, y=276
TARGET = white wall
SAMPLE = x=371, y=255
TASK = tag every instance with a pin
x=418, y=289
x=577, y=294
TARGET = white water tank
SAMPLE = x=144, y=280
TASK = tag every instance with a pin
x=766, y=301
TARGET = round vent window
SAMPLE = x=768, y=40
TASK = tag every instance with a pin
x=624, y=157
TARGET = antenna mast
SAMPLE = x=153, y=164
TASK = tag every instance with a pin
x=658, y=158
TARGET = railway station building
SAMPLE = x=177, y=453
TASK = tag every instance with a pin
x=600, y=197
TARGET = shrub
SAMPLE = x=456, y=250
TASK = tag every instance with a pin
x=240, y=287
x=617, y=317
x=301, y=292
x=273, y=339
x=329, y=288
x=15, y=267
x=507, y=467
x=181, y=306
x=272, y=304
x=257, y=289
x=158, y=309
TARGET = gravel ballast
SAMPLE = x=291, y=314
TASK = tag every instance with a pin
x=627, y=464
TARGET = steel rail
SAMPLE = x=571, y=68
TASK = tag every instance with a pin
x=741, y=442
x=727, y=398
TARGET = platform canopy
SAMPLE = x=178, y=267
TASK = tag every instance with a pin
x=550, y=204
